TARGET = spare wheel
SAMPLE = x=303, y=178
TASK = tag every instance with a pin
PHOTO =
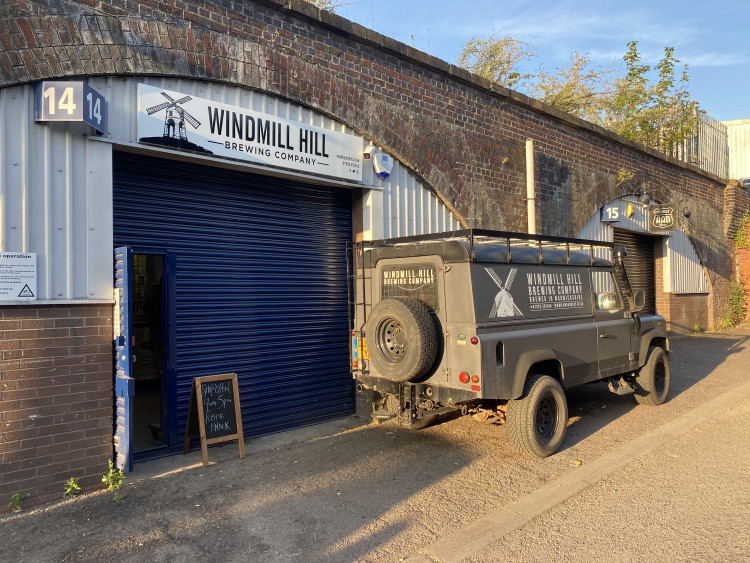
x=401, y=339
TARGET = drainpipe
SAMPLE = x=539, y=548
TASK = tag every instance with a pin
x=530, y=195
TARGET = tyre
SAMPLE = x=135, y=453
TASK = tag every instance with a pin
x=652, y=382
x=536, y=422
x=401, y=339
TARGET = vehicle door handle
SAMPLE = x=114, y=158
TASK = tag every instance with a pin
x=603, y=335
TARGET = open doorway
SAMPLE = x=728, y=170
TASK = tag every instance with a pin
x=149, y=368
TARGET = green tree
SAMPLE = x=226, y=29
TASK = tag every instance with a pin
x=660, y=115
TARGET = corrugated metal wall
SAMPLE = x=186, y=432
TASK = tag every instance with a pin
x=409, y=209
x=683, y=272
x=686, y=274
x=261, y=283
x=55, y=200
x=739, y=148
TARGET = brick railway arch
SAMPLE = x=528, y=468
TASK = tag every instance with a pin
x=462, y=136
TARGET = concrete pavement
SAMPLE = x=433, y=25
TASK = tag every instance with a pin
x=652, y=482
x=632, y=468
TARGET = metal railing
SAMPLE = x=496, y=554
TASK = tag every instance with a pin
x=708, y=149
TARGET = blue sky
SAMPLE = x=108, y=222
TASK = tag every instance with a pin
x=712, y=37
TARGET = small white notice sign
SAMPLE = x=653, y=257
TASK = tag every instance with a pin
x=17, y=276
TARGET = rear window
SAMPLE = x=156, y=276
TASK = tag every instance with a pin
x=418, y=281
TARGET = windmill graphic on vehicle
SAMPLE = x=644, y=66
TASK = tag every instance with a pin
x=504, y=306
x=175, y=117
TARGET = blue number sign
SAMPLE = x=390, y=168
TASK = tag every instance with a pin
x=71, y=101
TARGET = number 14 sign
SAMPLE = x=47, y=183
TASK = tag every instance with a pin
x=71, y=101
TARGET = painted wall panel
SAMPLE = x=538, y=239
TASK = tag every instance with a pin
x=46, y=207
x=738, y=133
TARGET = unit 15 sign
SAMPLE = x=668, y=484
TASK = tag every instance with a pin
x=71, y=101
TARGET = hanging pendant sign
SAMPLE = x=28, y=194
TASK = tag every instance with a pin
x=184, y=122
x=17, y=276
x=662, y=218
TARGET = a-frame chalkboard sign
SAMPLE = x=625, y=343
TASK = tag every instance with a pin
x=214, y=412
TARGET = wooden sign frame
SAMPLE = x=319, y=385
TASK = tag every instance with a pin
x=196, y=403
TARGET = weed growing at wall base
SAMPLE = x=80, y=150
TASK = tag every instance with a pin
x=16, y=502
x=735, y=312
x=72, y=488
x=113, y=478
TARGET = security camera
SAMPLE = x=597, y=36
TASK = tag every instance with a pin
x=369, y=151
x=383, y=164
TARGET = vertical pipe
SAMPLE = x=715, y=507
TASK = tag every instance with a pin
x=530, y=196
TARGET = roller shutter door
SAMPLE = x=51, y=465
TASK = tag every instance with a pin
x=261, y=284
x=639, y=264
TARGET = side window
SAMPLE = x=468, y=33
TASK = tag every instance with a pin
x=418, y=281
x=606, y=295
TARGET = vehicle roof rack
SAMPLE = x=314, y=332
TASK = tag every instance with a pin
x=483, y=245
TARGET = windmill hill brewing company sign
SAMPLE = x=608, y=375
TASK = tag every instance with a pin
x=184, y=122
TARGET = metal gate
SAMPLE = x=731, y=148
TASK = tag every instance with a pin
x=639, y=264
x=260, y=284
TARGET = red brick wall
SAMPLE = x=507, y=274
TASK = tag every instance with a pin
x=743, y=267
x=55, y=397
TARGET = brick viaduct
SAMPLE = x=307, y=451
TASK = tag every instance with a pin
x=461, y=135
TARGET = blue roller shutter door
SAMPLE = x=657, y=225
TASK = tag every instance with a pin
x=261, y=283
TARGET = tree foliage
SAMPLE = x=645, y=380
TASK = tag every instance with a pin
x=330, y=5
x=659, y=114
x=579, y=89
x=496, y=58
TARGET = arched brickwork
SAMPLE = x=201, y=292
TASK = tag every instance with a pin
x=463, y=136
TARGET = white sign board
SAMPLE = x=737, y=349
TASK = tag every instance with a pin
x=183, y=122
x=17, y=276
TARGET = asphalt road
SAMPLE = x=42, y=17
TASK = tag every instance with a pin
x=630, y=483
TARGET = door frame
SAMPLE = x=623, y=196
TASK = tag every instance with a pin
x=124, y=344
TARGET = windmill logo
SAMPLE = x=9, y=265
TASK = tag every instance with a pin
x=504, y=306
x=175, y=117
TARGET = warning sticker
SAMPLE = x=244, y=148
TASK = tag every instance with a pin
x=17, y=276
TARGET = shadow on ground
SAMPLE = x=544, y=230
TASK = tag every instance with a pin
x=364, y=494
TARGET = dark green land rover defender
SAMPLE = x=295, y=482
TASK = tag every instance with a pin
x=497, y=325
